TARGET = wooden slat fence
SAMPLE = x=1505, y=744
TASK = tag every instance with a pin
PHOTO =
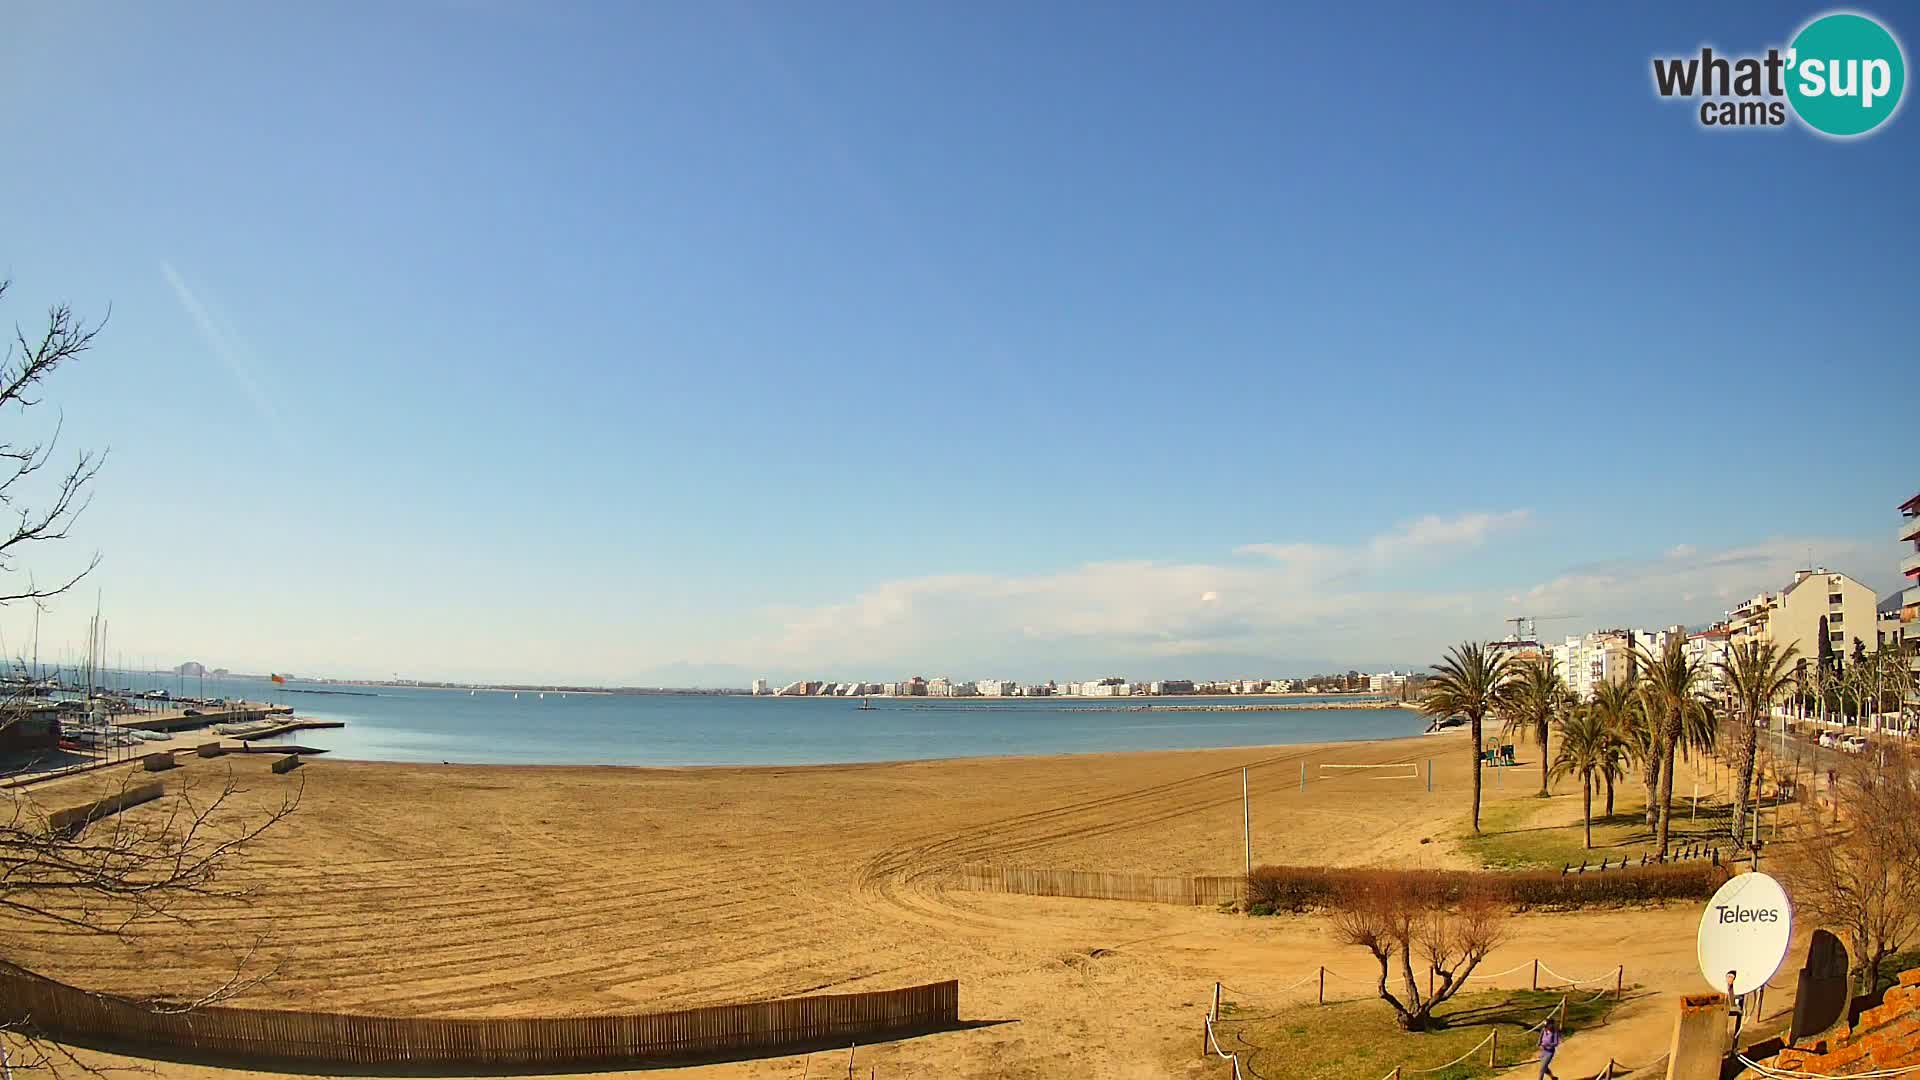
x=1097, y=885
x=270, y=1035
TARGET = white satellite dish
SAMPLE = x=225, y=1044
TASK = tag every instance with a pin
x=1744, y=933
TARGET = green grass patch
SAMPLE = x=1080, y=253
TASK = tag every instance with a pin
x=1362, y=1040
x=1528, y=834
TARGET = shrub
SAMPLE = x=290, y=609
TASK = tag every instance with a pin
x=1309, y=888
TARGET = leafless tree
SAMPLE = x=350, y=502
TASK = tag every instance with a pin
x=1859, y=874
x=40, y=511
x=1399, y=919
x=130, y=855
x=108, y=868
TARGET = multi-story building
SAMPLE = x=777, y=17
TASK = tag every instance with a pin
x=759, y=687
x=1708, y=650
x=1795, y=615
x=1586, y=661
x=1910, y=599
x=996, y=687
x=1747, y=620
x=1607, y=656
x=1387, y=682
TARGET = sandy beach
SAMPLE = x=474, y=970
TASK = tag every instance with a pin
x=518, y=891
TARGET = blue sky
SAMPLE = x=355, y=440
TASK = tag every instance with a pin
x=689, y=342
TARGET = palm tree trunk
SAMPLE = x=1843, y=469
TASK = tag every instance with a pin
x=1609, y=777
x=1586, y=795
x=1666, y=791
x=1743, y=783
x=1476, y=775
x=1650, y=776
x=1542, y=732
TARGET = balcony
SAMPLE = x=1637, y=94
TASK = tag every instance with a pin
x=1910, y=565
x=1910, y=529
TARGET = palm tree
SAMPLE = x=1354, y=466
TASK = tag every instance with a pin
x=1618, y=707
x=1473, y=682
x=1586, y=748
x=1671, y=690
x=1537, y=697
x=1757, y=674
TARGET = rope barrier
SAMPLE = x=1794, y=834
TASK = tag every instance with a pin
x=1458, y=1060
x=1509, y=971
x=1214, y=1045
x=1246, y=1072
x=1577, y=982
x=1559, y=1010
x=1296, y=984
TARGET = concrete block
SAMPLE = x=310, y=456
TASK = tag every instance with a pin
x=1699, y=1038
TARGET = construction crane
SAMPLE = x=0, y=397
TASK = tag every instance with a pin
x=1524, y=628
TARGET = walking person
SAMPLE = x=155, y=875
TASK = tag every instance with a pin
x=1549, y=1042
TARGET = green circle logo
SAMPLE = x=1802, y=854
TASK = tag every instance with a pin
x=1845, y=74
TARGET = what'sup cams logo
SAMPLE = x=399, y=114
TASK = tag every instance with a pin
x=1843, y=76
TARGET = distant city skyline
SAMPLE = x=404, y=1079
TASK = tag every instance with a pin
x=752, y=340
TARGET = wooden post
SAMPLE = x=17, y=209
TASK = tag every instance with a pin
x=1493, y=1049
x=1536, y=974
x=1429, y=776
x=1323, y=984
x=850, y=1049
x=1619, y=979
x=1303, y=776
x=1215, y=1014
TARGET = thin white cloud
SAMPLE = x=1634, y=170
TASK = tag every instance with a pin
x=1432, y=536
x=232, y=351
x=1153, y=619
x=1690, y=586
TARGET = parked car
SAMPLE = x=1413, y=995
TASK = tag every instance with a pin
x=1854, y=744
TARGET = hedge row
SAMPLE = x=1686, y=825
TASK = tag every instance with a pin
x=1304, y=888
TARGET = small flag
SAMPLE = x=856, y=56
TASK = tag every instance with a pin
x=281, y=679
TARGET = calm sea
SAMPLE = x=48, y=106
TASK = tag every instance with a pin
x=494, y=727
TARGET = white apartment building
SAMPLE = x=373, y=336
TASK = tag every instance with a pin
x=995, y=687
x=1387, y=682
x=759, y=687
x=1708, y=650
x=1603, y=656
x=1792, y=616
